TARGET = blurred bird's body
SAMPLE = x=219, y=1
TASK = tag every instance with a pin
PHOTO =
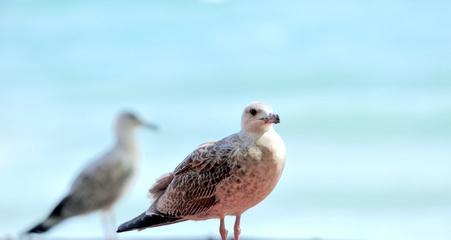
x=102, y=182
x=221, y=178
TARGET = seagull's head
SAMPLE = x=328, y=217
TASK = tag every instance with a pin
x=129, y=121
x=258, y=118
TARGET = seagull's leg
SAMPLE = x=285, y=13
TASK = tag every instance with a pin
x=113, y=225
x=108, y=224
x=222, y=229
x=236, y=227
x=106, y=227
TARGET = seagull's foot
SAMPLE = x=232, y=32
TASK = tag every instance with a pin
x=224, y=233
x=236, y=233
x=236, y=228
x=222, y=230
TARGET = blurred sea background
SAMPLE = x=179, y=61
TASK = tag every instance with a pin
x=363, y=89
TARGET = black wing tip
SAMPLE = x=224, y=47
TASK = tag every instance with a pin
x=54, y=218
x=40, y=228
x=135, y=223
x=145, y=221
x=125, y=227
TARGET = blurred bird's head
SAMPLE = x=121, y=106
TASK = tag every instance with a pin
x=258, y=118
x=129, y=121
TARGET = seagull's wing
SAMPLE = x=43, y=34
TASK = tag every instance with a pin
x=162, y=183
x=190, y=190
x=193, y=187
x=203, y=158
x=98, y=185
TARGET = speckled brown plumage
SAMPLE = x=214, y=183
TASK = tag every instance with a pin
x=220, y=178
x=192, y=190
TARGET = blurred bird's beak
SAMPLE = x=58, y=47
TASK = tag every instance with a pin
x=150, y=126
x=271, y=118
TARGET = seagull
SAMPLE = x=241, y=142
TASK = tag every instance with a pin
x=102, y=182
x=220, y=178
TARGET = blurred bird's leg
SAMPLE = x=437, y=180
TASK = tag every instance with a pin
x=113, y=225
x=109, y=224
x=236, y=227
x=106, y=225
x=222, y=229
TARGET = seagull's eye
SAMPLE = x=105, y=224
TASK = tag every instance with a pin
x=253, y=112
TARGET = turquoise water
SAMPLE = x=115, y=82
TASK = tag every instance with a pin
x=363, y=91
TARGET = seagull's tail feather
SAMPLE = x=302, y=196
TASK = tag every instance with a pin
x=147, y=220
x=53, y=219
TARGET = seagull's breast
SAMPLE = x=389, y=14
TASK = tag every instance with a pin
x=255, y=174
x=120, y=173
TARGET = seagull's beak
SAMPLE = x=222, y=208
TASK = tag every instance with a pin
x=148, y=125
x=271, y=118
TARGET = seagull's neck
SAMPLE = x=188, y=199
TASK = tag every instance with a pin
x=126, y=139
x=254, y=137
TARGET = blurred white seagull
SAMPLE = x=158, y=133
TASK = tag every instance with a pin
x=222, y=178
x=101, y=183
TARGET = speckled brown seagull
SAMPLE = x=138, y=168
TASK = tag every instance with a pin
x=220, y=178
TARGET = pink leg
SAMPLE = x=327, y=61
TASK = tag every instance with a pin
x=236, y=228
x=222, y=229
